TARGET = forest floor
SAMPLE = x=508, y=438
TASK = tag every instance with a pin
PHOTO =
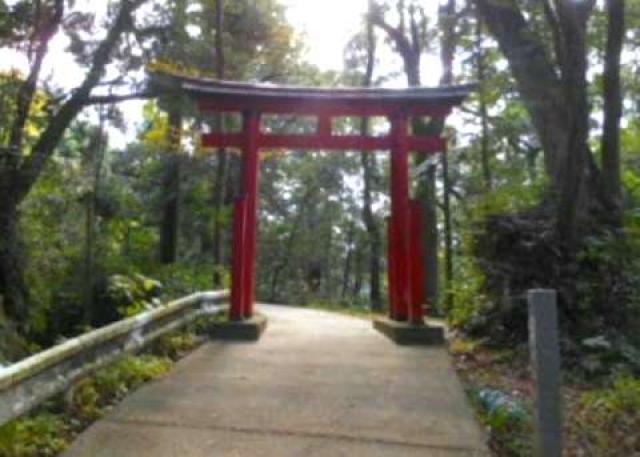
x=601, y=418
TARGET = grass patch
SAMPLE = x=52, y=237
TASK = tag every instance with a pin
x=499, y=390
x=606, y=422
x=45, y=434
x=599, y=420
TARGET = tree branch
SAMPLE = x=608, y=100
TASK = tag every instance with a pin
x=610, y=145
x=534, y=72
x=395, y=34
x=52, y=135
x=558, y=44
x=118, y=98
x=27, y=90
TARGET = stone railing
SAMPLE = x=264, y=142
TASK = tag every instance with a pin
x=33, y=380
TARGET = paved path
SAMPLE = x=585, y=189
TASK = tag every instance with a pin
x=317, y=384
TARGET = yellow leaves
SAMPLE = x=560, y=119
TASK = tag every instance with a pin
x=273, y=154
x=157, y=136
x=173, y=69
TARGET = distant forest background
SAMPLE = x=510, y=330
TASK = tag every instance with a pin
x=540, y=187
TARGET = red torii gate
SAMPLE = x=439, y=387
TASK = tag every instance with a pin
x=405, y=266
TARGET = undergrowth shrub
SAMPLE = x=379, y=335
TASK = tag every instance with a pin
x=607, y=420
x=506, y=420
x=131, y=295
x=42, y=435
x=46, y=433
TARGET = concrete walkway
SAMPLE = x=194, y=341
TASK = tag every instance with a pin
x=317, y=384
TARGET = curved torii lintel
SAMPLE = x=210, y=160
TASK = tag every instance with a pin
x=216, y=95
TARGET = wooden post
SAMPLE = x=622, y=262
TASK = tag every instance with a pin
x=250, y=180
x=391, y=272
x=324, y=126
x=545, y=359
x=400, y=213
x=237, y=274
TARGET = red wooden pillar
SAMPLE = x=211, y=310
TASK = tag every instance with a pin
x=391, y=271
x=418, y=295
x=245, y=224
x=400, y=217
x=250, y=179
x=239, y=224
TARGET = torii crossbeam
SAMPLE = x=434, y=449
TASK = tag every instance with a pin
x=405, y=266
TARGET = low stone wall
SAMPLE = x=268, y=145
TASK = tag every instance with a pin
x=26, y=384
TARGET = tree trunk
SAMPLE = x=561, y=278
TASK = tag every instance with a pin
x=96, y=159
x=613, y=106
x=169, y=229
x=13, y=289
x=447, y=19
x=556, y=97
x=219, y=190
x=219, y=187
x=373, y=228
x=448, y=232
x=348, y=261
x=484, y=115
x=572, y=166
x=368, y=161
x=90, y=231
x=427, y=196
x=357, y=274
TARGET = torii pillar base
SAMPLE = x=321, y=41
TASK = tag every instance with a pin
x=409, y=334
x=250, y=329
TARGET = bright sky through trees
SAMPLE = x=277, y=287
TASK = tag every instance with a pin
x=325, y=27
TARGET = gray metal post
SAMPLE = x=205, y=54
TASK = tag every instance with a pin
x=545, y=359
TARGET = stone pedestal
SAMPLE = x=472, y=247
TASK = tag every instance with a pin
x=405, y=333
x=242, y=330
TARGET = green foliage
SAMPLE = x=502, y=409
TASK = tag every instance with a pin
x=40, y=436
x=12, y=345
x=47, y=433
x=115, y=381
x=175, y=345
x=607, y=420
x=610, y=267
x=92, y=395
x=183, y=278
x=506, y=420
x=134, y=294
x=468, y=296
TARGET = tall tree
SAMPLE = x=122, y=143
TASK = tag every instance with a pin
x=176, y=53
x=219, y=188
x=22, y=159
x=95, y=155
x=171, y=186
x=481, y=71
x=369, y=166
x=447, y=19
x=610, y=146
x=552, y=80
